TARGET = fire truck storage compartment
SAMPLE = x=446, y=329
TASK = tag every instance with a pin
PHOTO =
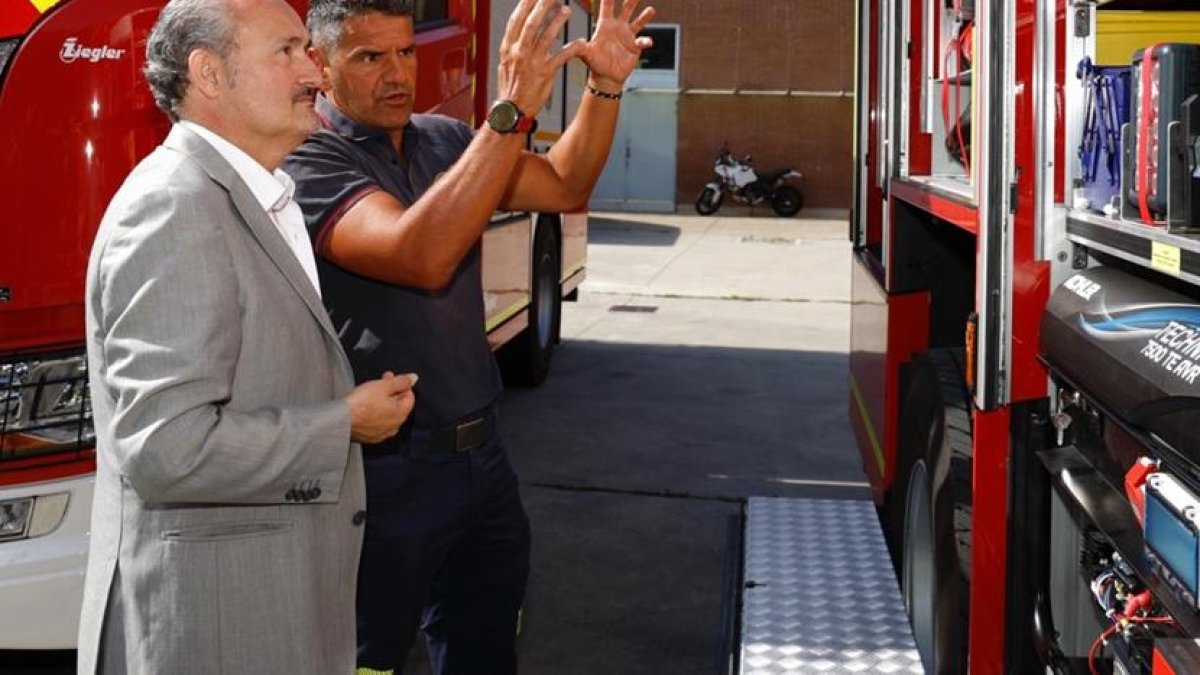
x=1125, y=352
x=948, y=88
x=1158, y=150
x=1133, y=347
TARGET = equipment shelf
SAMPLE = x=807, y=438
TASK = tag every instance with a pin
x=947, y=198
x=1174, y=254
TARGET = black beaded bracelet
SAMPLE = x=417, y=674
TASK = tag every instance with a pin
x=604, y=94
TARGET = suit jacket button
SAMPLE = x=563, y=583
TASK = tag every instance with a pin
x=359, y=517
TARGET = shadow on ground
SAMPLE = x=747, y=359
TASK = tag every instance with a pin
x=56, y=662
x=612, y=232
x=712, y=422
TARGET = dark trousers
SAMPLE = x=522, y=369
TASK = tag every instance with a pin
x=446, y=550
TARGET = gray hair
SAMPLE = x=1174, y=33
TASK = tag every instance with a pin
x=327, y=18
x=183, y=27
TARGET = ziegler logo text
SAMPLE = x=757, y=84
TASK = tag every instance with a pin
x=72, y=51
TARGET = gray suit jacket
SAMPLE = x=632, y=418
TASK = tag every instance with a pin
x=225, y=529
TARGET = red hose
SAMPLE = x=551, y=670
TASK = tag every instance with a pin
x=962, y=148
x=953, y=48
x=1143, y=151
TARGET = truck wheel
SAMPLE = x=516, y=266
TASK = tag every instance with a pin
x=525, y=361
x=936, y=538
x=786, y=201
x=709, y=201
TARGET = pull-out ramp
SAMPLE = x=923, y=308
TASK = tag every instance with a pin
x=819, y=594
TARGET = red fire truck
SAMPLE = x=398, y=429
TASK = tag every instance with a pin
x=1025, y=344
x=76, y=116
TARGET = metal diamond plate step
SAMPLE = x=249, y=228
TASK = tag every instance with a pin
x=821, y=595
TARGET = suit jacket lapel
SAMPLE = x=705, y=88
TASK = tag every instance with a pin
x=255, y=219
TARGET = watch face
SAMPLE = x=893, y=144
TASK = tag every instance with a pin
x=503, y=116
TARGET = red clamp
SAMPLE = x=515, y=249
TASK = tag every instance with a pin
x=1135, y=485
x=1137, y=603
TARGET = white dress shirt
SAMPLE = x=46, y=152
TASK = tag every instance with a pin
x=274, y=192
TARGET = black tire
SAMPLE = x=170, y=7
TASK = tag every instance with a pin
x=525, y=361
x=935, y=538
x=786, y=201
x=709, y=201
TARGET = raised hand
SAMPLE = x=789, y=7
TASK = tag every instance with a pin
x=615, y=48
x=527, y=63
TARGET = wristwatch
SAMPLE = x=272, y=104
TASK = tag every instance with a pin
x=506, y=118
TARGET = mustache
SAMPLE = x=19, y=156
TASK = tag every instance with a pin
x=305, y=94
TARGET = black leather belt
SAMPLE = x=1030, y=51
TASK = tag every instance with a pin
x=469, y=433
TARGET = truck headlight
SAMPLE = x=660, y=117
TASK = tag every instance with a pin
x=32, y=516
x=14, y=518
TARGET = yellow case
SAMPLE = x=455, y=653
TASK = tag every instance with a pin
x=1120, y=33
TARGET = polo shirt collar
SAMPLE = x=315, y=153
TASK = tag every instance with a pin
x=337, y=121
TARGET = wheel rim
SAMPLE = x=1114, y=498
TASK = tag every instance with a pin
x=547, y=287
x=918, y=562
x=708, y=200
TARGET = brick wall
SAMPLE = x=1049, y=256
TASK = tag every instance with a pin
x=773, y=78
x=810, y=134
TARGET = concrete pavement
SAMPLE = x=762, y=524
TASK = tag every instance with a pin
x=705, y=362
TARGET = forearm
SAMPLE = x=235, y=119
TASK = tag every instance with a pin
x=438, y=230
x=214, y=454
x=580, y=155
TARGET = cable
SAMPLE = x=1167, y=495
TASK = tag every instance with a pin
x=1133, y=605
x=946, y=86
x=1103, y=590
x=1104, y=635
x=954, y=48
x=962, y=148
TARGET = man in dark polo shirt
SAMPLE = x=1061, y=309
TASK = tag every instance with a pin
x=396, y=204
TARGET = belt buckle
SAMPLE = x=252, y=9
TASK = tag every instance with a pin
x=467, y=435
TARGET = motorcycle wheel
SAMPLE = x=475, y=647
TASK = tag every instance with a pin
x=709, y=201
x=786, y=201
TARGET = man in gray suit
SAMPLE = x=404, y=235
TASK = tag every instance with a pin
x=229, y=493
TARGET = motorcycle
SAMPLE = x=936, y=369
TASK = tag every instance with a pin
x=739, y=179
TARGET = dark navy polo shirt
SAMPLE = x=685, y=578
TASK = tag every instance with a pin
x=438, y=335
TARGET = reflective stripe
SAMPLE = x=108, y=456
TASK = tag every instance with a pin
x=869, y=426
x=372, y=671
x=507, y=313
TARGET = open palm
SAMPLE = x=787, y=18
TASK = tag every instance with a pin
x=615, y=47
